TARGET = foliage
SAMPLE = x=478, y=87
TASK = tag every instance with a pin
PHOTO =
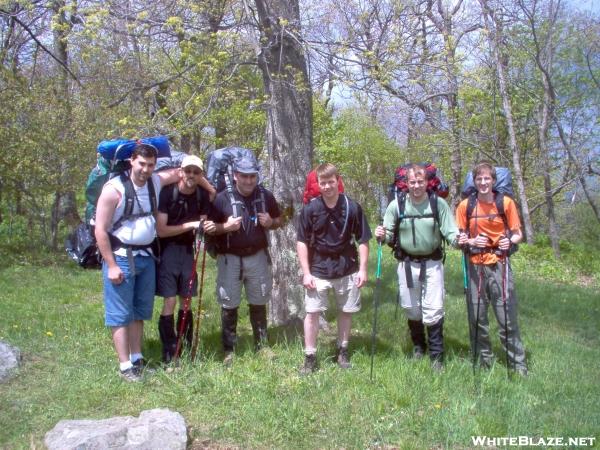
x=358, y=147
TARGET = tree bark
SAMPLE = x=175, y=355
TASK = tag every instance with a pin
x=289, y=141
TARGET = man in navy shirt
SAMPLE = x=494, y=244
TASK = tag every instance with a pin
x=328, y=228
x=240, y=220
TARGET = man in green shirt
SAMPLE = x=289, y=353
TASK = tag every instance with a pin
x=417, y=234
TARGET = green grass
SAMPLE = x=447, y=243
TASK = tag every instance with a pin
x=54, y=314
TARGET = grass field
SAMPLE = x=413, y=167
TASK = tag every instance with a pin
x=54, y=314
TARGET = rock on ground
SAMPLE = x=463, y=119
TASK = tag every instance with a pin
x=153, y=429
x=9, y=360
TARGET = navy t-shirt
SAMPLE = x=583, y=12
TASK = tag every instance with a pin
x=186, y=208
x=251, y=236
x=330, y=235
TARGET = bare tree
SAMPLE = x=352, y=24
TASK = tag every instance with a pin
x=543, y=52
x=494, y=27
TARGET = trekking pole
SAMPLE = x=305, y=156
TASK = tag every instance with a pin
x=467, y=290
x=188, y=299
x=199, y=312
x=480, y=276
x=504, y=285
x=376, y=305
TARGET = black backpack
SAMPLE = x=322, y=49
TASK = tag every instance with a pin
x=219, y=173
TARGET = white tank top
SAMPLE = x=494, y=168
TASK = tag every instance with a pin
x=140, y=230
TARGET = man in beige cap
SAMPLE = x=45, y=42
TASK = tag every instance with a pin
x=182, y=207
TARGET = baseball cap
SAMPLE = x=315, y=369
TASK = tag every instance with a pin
x=192, y=160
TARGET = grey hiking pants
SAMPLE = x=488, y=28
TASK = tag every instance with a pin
x=486, y=288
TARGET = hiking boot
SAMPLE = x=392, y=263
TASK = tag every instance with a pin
x=417, y=335
x=437, y=365
x=228, y=359
x=229, y=319
x=309, y=366
x=258, y=320
x=131, y=375
x=418, y=352
x=486, y=364
x=522, y=371
x=435, y=339
x=142, y=367
x=168, y=338
x=343, y=359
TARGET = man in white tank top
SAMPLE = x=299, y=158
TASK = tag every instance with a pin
x=128, y=268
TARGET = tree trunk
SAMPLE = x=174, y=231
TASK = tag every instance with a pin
x=60, y=208
x=546, y=111
x=289, y=141
x=443, y=21
x=494, y=29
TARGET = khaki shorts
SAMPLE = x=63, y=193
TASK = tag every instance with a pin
x=345, y=291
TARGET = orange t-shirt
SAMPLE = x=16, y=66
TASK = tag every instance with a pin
x=485, y=219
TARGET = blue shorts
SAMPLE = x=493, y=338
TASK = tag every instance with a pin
x=133, y=299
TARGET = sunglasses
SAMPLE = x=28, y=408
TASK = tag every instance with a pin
x=193, y=171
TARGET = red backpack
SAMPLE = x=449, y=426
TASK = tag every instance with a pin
x=399, y=190
x=311, y=188
x=434, y=184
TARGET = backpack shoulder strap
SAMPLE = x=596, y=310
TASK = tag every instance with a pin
x=433, y=203
x=400, y=204
x=152, y=195
x=175, y=194
x=263, y=201
x=346, y=214
x=129, y=197
x=499, y=200
x=471, y=203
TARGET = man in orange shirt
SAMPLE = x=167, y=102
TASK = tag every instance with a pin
x=489, y=235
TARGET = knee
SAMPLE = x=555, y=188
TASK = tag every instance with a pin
x=413, y=313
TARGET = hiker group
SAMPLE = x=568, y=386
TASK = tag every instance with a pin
x=227, y=212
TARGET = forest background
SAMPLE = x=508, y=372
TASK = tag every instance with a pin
x=364, y=84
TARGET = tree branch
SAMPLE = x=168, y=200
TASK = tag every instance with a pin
x=42, y=46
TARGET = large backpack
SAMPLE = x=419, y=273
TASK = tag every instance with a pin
x=80, y=244
x=312, y=189
x=220, y=165
x=399, y=190
x=219, y=172
x=502, y=186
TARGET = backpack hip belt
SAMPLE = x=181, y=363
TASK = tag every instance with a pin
x=437, y=255
x=479, y=251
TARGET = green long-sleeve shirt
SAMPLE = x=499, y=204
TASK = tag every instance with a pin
x=427, y=234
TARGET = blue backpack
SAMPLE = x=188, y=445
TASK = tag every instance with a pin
x=112, y=161
x=502, y=186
